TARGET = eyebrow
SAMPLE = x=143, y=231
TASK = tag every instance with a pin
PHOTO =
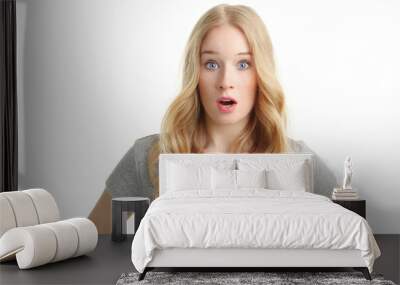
x=214, y=52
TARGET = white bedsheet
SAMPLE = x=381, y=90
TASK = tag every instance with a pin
x=251, y=218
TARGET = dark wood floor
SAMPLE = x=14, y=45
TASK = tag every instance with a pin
x=389, y=262
x=110, y=260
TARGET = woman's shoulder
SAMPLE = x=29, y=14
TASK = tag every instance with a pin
x=297, y=146
x=142, y=146
x=129, y=177
x=146, y=141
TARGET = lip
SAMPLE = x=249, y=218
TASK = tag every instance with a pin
x=227, y=98
x=226, y=108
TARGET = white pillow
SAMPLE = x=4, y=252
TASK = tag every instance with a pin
x=282, y=173
x=181, y=177
x=293, y=178
x=236, y=179
x=251, y=178
x=223, y=179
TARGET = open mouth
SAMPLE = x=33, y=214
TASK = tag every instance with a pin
x=226, y=104
x=226, y=101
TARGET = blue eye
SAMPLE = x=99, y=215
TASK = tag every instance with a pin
x=211, y=65
x=243, y=65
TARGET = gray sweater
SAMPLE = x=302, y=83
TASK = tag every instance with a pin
x=130, y=176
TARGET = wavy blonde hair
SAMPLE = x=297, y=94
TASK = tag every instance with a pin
x=183, y=128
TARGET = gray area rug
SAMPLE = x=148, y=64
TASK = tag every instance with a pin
x=228, y=278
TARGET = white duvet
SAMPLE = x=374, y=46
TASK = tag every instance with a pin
x=251, y=218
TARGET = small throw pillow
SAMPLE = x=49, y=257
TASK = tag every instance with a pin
x=181, y=177
x=251, y=178
x=223, y=179
x=293, y=179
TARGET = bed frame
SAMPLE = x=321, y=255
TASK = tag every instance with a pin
x=249, y=259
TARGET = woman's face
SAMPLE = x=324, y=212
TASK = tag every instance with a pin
x=227, y=73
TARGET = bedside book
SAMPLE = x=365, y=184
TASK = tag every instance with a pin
x=344, y=194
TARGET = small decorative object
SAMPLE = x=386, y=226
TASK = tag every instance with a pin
x=346, y=192
x=348, y=172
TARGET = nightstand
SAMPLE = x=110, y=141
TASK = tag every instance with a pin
x=357, y=206
x=138, y=205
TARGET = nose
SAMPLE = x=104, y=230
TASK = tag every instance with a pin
x=226, y=79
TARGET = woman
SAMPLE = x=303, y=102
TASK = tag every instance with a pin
x=230, y=102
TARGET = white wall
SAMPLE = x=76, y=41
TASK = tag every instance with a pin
x=96, y=75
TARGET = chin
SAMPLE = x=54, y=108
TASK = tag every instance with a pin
x=227, y=120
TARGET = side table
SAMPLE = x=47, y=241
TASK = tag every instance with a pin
x=138, y=205
x=357, y=206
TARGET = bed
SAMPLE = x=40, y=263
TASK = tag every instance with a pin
x=247, y=211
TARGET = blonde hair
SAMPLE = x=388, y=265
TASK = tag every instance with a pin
x=183, y=127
